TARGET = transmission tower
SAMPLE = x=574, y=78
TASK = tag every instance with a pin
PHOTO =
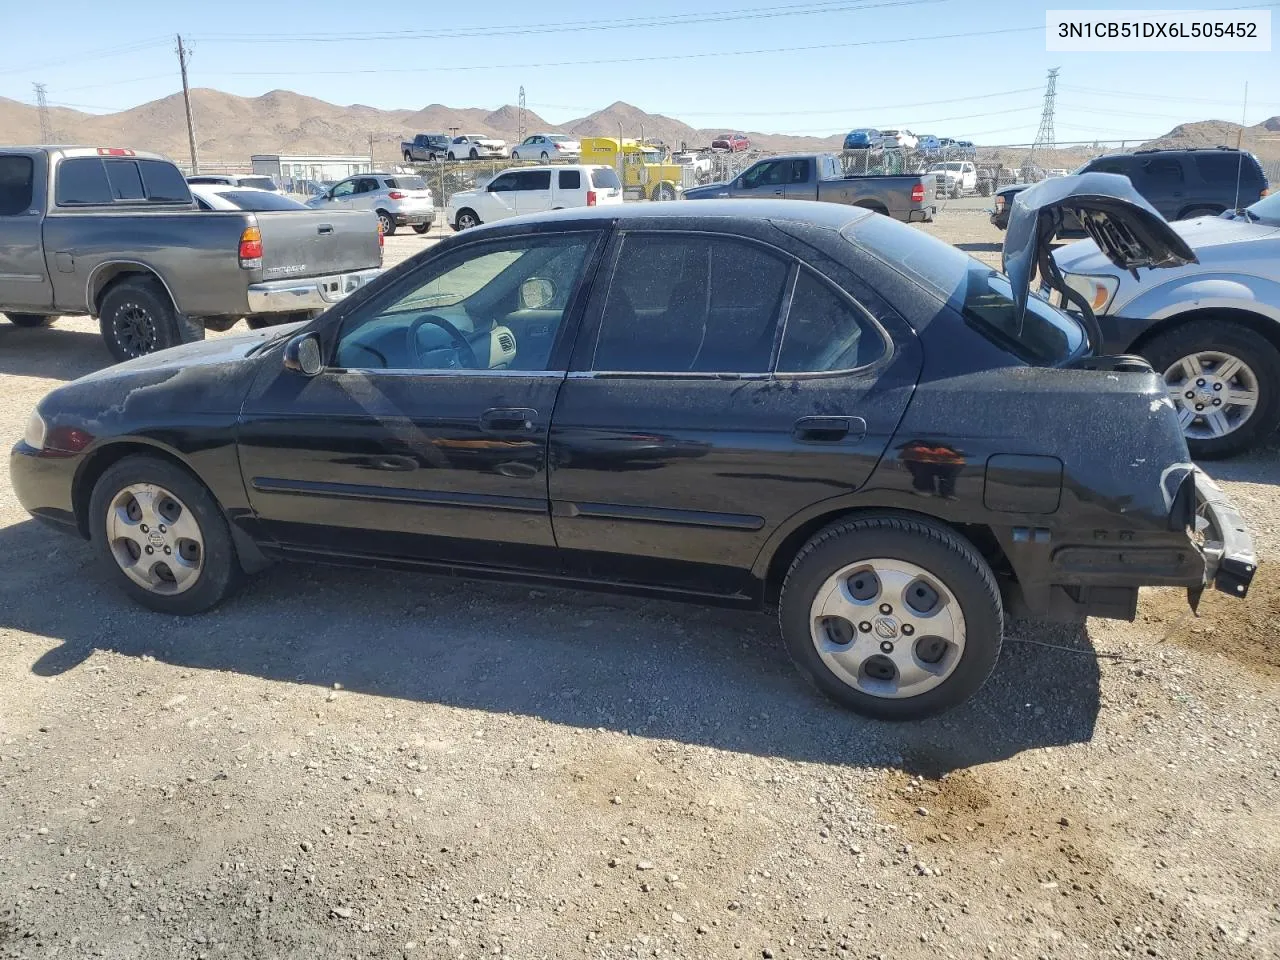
x=521, y=131
x=1044, y=136
x=42, y=105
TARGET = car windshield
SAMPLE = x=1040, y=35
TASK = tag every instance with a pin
x=1267, y=210
x=652, y=156
x=977, y=292
x=945, y=166
x=261, y=200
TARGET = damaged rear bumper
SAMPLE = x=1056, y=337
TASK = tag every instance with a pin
x=1229, y=557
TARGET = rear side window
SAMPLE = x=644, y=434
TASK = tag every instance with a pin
x=570, y=179
x=1110, y=165
x=533, y=180
x=1221, y=168
x=125, y=180
x=603, y=178
x=684, y=303
x=257, y=183
x=17, y=179
x=407, y=183
x=1162, y=171
x=826, y=332
x=82, y=181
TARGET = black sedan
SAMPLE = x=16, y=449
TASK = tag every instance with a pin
x=806, y=406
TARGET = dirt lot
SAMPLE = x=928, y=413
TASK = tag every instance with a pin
x=342, y=764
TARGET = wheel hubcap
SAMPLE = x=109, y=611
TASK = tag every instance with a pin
x=135, y=329
x=1214, y=393
x=887, y=628
x=155, y=539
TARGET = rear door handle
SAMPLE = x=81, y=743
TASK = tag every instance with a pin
x=508, y=420
x=829, y=429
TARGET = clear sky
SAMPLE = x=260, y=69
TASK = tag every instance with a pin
x=971, y=69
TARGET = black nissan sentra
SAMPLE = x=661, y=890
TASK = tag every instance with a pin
x=785, y=404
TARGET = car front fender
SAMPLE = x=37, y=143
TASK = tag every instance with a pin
x=1204, y=291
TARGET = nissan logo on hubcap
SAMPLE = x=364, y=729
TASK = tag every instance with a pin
x=886, y=628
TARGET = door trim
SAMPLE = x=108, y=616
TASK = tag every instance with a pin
x=684, y=518
x=383, y=494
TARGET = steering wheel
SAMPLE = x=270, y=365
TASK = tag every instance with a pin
x=460, y=343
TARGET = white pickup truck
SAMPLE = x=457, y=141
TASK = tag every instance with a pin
x=957, y=177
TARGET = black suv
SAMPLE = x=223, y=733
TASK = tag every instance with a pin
x=1181, y=184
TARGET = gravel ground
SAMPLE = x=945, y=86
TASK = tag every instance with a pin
x=361, y=764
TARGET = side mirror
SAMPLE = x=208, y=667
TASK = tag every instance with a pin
x=302, y=355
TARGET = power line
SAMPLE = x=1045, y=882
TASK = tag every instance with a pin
x=99, y=54
x=576, y=26
x=1170, y=99
x=620, y=60
x=828, y=132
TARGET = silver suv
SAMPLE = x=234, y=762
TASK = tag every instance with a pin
x=398, y=199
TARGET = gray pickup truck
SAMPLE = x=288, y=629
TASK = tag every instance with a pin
x=426, y=147
x=115, y=234
x=819, y=176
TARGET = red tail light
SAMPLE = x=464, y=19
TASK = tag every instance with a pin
x=591, y=198
x=396, y=195
x=917, y=193
x=382, y=237
x=251, y=248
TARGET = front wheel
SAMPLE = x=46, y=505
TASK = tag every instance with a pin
x=465, y=220
x=895, y=618
x=664, y=191
x=30, y=319
x=475, y=154
x=1224, y=381
x=162, y=537
x=408, y=157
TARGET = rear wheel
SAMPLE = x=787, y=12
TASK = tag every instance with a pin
x=388, y=223
x=544, y=157
x=30, y=319
x=664, y=191
x=1224, y=381
x=162, y=537
x=895, y=618
x=874, y=207
x=136, y=318
x=421, y=228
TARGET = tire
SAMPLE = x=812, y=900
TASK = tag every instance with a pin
x=515, y=154
x=1261, y=371
x=873, y=207
x=544, y=158
x=984, y=188
x=452, y=157
x=475, y=154
x=388, y=223
x=421, y=228
x=466, y=219
x=905, y=552
x=216, y=570
x=664, y=192
x=30, y=319
x=408, y=157
x=137, y=317
x=1198, y=212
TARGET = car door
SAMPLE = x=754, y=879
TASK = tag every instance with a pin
x=343, y=193
x=697, y=419
x=364, y=195
x=500, y=196
x=533, y=191
x=1162, y=181
x=570, y=191
x=766, y=179
x=801, y=179
x=24, y=277
x=424, y=436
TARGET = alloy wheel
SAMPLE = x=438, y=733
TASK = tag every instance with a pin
x=155, y=539
x=135, y=329
x=1215, y=393
x=887, y=628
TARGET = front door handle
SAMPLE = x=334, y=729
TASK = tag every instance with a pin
x=508, y=420
x=829, y=429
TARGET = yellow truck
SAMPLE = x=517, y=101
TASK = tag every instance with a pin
x=645, y=170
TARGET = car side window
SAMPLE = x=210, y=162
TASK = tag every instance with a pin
x=1165, y=171
x=825, y=331
x=533, y=180
x=366, y=185
x=684, y=303
x=570, y=179
x=506, y=183
x=17, y=181
x=1110, y=166
x=490, y=306
x=345, y=189
x=799, y=170
x=760, y=174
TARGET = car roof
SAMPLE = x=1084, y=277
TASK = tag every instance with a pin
x=831, y=216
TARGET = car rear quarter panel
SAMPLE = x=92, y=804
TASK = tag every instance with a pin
x=195, y=254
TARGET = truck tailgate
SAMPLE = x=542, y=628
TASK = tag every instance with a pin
x=318, y=243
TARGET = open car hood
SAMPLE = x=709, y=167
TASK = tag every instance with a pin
x=1127, y=229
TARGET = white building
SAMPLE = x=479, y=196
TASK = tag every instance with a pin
x=289, y=168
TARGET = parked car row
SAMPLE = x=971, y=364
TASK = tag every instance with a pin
x=430, y=147
x=871, y=138
x=759, y=403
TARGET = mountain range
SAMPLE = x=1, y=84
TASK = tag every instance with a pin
x=230, y=128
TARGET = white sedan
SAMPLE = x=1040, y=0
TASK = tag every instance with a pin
x=547, y=146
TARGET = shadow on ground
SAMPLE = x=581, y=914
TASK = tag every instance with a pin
x=979, y=247
x=699, y=676
x=50, y=353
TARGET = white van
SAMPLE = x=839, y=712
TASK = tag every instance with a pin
x=534, y=190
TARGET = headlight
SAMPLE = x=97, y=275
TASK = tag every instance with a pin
x=35, y=432
x=1097, y=291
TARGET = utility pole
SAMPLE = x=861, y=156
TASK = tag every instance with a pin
x=372, y=165
x=1045, y=138
x=183, y=55
x=42, y=105
x=520, y=134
